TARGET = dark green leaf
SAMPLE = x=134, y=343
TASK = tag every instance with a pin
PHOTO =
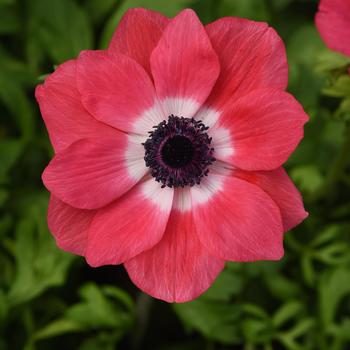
x=40, y=264
x=334, y=286
x=226, y=285
x=62, y=27
x=215, y=320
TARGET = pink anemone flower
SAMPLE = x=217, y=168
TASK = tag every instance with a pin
x=333, y=23
x=168, y=150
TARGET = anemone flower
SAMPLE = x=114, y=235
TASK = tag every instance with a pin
x=168, y=150
x=333, y=23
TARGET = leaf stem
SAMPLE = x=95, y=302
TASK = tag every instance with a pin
x=143, y=309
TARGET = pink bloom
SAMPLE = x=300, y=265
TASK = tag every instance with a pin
x=169, y=148
x=333, y=23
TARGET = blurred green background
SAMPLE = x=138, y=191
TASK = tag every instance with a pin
x=53, y=300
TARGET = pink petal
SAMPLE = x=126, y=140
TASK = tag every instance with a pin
x=69, y=225
x=178, y=268
x=65, y=117
x=91, y=173
x=333, y=23
x=130, y=225
x=280, y=188
x=265, y=128
x=137, y=34
x=184, y=64
x=251, y=55
x=237, y=220
x=115, y=89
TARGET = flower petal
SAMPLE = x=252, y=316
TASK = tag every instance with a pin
x=280, y=188
x=130, y=225
x=265, y=127
x=236, y=220
x=60, y=104
x=178, y=268
x=69, y=225
x=184, y=66
x=251, y=55
x=115, y=89
x=137, y=34
x=333, y=23
x=92, y=172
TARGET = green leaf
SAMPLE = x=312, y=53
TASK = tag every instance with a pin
x=3, y=307
x=254, y=9
x=3, y=196
x=331, y=60
x=289, y=338
x=98, y=9
x=58, y=327
x=103, y=340
x=287, y=311
x=7, y=2
x=334, y=254
x=62, y=27
x=255, y=310
x=301, y=328
x=121, y=296
x=39, y=263
x=15, y=78
x=308, y=177
x=326, y=236
x=334, y=286
x=282, y=287
x=343, y=112
x=308, y=268
x=226, y=285
x=215, y=320
x=10, y=150
x=100, y=308
x=280, y=4
x=96, y=310
x=313, y=46
x=9, y=20
x=17, y=69
x=5, y=224
x=339, y=88
x=13, y=96
x=257, y=330
x=304, y=82
x=341, y=330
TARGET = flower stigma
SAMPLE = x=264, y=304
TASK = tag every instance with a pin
x=178, y=152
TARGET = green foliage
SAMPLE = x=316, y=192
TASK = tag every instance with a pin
x=212, y=314
x=254, y=9
x=39, y=264
x=50, y=299
x=61, y=27
x=107, y=309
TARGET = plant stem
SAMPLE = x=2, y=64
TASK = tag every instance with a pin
x=143, y=308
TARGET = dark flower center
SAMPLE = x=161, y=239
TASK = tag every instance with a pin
x=178, y=152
